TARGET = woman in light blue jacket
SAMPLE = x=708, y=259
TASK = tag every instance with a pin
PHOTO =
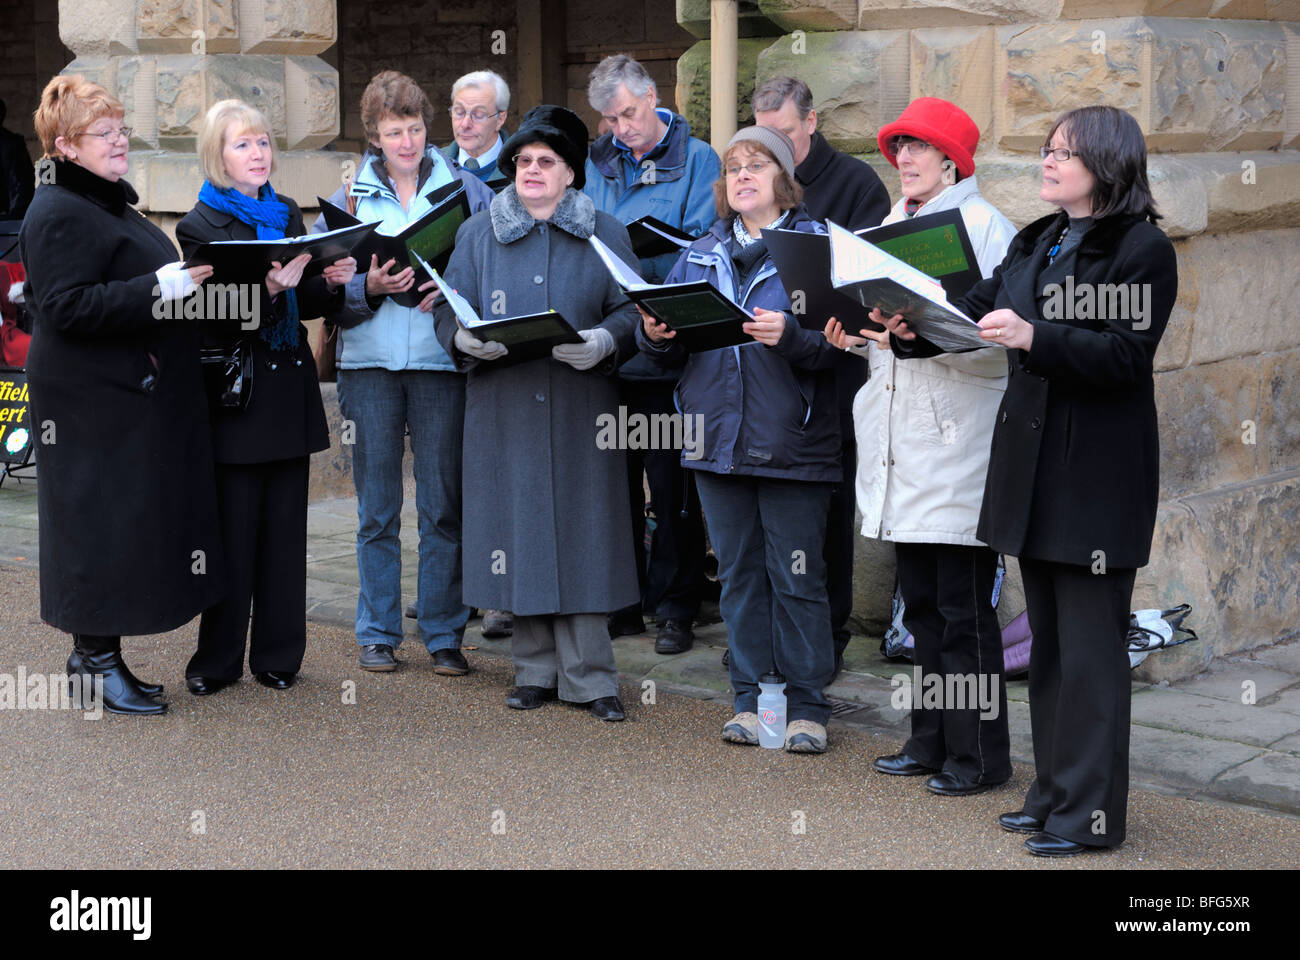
x=394, y=377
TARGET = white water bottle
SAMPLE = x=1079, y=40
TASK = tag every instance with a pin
x=771, y=711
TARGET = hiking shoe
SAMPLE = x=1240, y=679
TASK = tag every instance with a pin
x=805, y=736
x=742, y=728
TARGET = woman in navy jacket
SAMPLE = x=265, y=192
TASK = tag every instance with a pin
x=1081, y=302
x=764, y=417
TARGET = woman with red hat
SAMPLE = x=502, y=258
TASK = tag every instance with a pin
x=923, y=430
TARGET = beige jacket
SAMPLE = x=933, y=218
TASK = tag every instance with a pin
x=923, y=426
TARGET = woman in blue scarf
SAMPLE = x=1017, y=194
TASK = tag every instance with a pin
x=262, y=445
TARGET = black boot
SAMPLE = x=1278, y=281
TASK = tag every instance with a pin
x=148, y=689
x=102, y=656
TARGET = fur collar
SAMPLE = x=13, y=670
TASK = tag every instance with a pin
x=112, y=195
x=575, y=215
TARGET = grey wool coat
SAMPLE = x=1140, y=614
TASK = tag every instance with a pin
x=545, y=524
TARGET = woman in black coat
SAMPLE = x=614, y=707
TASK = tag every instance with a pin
x=262, y=448
x=1081, y=302
x=129, y=542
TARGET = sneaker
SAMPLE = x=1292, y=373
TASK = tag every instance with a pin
x=675, y=636
x=805, y=736
x=742, y=728
x=377, y=657
x=498, y=623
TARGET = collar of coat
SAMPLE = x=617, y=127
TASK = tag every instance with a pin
x=112, y=195
x=1100, y=240
x=669, y=156
x=820, y=154
x=575, y=214
x=373, y=177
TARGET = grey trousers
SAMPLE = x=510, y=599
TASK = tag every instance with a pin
x=568, y=651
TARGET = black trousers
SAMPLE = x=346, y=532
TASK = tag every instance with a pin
x=263, y=509
x=671, y=581
x=838, y=551
x=948, y=598
x=1079, y=699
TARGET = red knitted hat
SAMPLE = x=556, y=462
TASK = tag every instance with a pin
x=939, y=122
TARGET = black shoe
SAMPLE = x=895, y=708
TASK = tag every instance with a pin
x=627, y=622
x=675, y=636
x=276, y=679
x=377, y=657
x=148, y=689
x=530, y=698
x=102, y=657
x=450, y=663
x=202, y=686
x=901, y=765
x=410, y=612
x=498, y=623
x=949, y=784
x=608, y=708
x=1050, y=845
x=1017, y=821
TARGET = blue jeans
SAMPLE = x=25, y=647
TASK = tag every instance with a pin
x=382, y=405
x=768, y=536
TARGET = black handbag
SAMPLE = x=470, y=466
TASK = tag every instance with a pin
x=228, y=374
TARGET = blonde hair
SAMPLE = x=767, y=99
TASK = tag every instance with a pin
x=70, y=104
x=212, y=136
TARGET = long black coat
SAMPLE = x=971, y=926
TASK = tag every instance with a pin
x=125, y=495
x=285, y=417
x=1075, y=456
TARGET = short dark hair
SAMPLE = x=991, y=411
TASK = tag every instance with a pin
x=1111, y=147
x=785, y=189
x=772, y=94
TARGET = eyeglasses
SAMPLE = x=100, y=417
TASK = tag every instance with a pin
x=755, y=167
x=1059, y=154
x=912, y=145
x=478, y=114
x=525, y=160
x=108, y=136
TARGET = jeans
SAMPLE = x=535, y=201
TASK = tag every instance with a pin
x=382, y=405
x=768, y=535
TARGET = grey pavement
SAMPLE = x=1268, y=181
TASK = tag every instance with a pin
x=414, y=770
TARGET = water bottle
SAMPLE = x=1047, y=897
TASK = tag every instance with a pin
x=771, y=711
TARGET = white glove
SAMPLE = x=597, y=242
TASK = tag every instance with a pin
x=597, y=344
x=16, y=293
x=174, y=281
x=466, y=342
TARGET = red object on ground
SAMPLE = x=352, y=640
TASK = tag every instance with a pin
x=13, y=342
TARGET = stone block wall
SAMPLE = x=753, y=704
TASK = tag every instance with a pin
x=1215, y=87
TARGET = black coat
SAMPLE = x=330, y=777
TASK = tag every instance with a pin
x=1075, y=456
x=126, y=494
x=285, y=417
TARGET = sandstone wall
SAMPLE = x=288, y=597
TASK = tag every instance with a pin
x=1216, y=89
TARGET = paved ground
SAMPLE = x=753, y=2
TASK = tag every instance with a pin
x=420, y=769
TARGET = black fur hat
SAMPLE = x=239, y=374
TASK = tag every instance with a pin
x=560, y=129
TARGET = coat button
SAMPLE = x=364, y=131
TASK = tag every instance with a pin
x=883, y=464
x=889, y=533
x=886, y=386
x=539, y=279
x=891, y=461
x=1035, y=423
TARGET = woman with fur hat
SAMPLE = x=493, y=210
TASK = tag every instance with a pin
x=546, y=526
x=923, y=429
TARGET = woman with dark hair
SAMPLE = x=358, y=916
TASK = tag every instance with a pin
x=1073, y=477
x=769, y=443
x=923, y=429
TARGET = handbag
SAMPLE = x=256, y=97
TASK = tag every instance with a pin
x=228, y=374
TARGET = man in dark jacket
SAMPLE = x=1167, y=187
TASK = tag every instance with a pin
x=844, y=189
x=648, y=164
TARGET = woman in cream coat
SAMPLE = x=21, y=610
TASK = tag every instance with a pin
x=923, y=429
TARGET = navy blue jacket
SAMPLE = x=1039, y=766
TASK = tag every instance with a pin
x=764, y=411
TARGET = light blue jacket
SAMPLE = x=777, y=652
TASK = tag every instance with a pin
x=384, y=333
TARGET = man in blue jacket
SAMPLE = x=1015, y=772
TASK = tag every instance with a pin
x=648, y=164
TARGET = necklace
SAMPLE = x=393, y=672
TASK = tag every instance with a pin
x=1056, y=248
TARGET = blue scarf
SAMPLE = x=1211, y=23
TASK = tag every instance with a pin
x=269, y=217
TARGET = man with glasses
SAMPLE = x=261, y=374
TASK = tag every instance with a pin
x=479, y=102
x=648, y=164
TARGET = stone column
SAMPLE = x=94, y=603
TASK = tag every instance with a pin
x=169, y=60
x=1215, y=87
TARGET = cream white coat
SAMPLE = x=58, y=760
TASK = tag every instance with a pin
x=924, y=426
